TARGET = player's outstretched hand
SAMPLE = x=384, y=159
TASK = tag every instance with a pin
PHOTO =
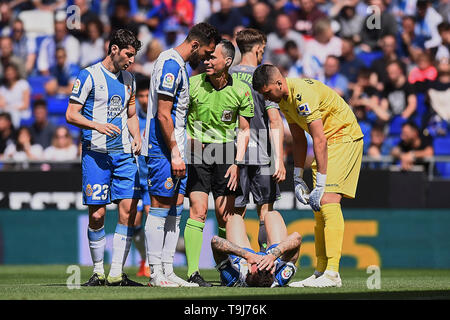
x=233, y=173
x=280, y=172
x=136, y=145
x=107, y=128
x=316, y=195
x=178, y=167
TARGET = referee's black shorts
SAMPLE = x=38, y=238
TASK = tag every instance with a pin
x=257, y=180
x=207, y=169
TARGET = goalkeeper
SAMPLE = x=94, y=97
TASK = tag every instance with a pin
x=309, y=105
x=240, y=266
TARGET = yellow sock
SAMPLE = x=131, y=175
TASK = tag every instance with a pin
x=319, y=242
x=334, y=234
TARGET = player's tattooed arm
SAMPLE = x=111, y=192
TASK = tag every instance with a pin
x=221, y=245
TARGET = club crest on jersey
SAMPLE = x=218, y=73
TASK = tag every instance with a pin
x=227, y=115
x=89, y=190
x=76, y=86
x=115, y=106
x=168, y=184
x=303, y=110
x=168, y=81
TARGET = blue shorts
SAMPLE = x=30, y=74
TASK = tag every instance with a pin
x=109, y=177
x=143, y=177
x=161, y=182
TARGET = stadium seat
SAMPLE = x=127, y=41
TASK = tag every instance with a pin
x=37, y=84
x=37, y=22
x=369, y=57
x=57, y=105
x=441, y=146
x=395, y=127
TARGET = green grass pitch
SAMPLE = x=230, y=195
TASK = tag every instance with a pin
x=48, y=282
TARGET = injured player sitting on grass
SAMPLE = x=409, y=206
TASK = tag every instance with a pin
x=241, y=266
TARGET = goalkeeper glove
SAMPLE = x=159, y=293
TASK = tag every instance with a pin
x=301, y=189
x=317, y=193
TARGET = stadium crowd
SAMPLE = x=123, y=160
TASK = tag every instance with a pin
x=389, y=59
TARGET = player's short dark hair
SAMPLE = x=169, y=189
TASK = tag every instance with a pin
x=204, y=33
x=143, y=84
x=124, y=38
x=259, y=279
x=262, y=76
x=228, y=49
x=247, y=38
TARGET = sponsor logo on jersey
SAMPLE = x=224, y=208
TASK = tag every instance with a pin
x=303, y=110
x=76, y=86
x=168, y=81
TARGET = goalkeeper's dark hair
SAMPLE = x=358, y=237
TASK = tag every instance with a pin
x=247, y=38
x=262, y=76
x=204, y=33
x=261, y=279
x=124, y=38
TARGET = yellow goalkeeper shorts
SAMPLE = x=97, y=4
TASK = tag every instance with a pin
x=344, y=165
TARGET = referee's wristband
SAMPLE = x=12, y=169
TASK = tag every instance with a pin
x=239, y=163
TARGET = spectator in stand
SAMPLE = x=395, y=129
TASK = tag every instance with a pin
x=297, y=69
x=398, y=95
x=443, y=8
x=24, y=47
x=443, y=50
x=184, y=12
x=92, y=48
x=63, y=75
x=8, y=57
x=261, y=17
x=372, y=33
x=304, y=18
x=49, y=5
x=332, y=78
x=86, y=14
x=350, y=64
x=42, y=129
x=226, y=19
x=122, y=18
x=24, y=148
x=283, y=33
x=350, y=23
x=427, y=21
x=7, y=132
x=62, y=147
x=154, y=48
x=365, y=100
x=15, y=95
x=378, y=146
x=379, y=66
x=47, y=51
x=173, y=34
x=425, y=70
x=410, y=45
x=413, y=148
x=324, y=43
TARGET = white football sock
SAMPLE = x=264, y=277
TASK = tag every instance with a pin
x=121, y=247
x=171, y=235
x=154, y=237
x=97, y=242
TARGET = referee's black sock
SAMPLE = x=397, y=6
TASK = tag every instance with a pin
x=262, y=236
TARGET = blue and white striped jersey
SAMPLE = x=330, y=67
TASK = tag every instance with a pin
x=105, y=98
x=170, y=78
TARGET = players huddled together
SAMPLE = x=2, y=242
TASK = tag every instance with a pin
x=219, y=131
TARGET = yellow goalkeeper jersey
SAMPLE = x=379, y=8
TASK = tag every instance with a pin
x=310, y=100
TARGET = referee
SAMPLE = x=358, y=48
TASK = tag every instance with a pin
x=219, y=104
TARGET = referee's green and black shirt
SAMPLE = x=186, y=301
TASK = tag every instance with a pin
x=214, y=114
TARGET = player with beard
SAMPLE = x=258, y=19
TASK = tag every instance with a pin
x=165, y=143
